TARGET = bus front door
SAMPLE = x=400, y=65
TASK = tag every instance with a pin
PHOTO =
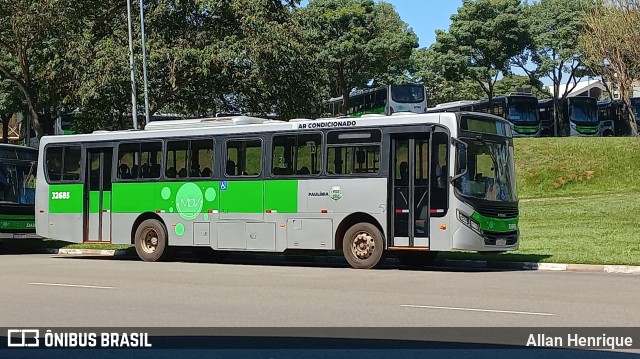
x=97, y=194
x=410, y=191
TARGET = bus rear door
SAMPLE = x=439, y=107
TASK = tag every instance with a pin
x=97, y=195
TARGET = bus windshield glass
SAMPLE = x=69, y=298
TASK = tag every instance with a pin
x=584, y=112
x=17, y=183
x=635, y=105
x=407, y=93
x=490, y=171
x=523, y=110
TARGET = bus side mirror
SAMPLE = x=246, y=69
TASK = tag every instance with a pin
x=462, y=157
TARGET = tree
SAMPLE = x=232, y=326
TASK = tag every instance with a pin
x=204, y=57
x=357, y=41
x=10, y=103
x=34, y=37
x=482, y=38
x=610, y=45
x=440, y=90
x=555, y=25
x=512, y=83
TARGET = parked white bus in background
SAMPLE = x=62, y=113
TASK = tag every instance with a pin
x=387, y=100
x=409, y=184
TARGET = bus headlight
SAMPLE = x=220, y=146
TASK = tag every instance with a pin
x=469, y=222
x=463, y=218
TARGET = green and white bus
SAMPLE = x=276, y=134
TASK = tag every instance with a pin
x=520, y=109
x=17, y=191
x=386, y=100
x=407, y=184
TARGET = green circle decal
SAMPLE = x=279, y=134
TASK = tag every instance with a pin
x=171, y=210
x=210, y=194
x=179, y=229
x=189, y=201
x=206, y=217
x=166, y=193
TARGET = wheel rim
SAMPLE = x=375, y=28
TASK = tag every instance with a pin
x=362, y=245
x=149, y=242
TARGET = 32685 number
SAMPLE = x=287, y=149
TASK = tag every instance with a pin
x=60, y=195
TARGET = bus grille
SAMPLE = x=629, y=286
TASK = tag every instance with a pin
x=498, y=210
x=490, y=238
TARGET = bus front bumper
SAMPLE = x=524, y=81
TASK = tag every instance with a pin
x=465, y=239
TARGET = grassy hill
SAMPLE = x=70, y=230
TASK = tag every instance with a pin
x=575, y=166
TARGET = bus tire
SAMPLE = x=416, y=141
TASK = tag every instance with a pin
x=363, y=246
x=151, y=241
x=413, y=259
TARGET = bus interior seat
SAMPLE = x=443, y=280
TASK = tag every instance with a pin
x=304, y=171
x=171, y=172
x=282, y=171
x=231, y=168
x=206, y=172
x=124, y=172
x=155, y=171
x=134, y=171
x=182, y=173
x=145, y=171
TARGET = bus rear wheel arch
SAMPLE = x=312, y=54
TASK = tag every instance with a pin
x=363, y=246
x=151, y=240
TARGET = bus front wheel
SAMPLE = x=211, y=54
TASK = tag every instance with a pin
x=363, y=246
x=151, y=241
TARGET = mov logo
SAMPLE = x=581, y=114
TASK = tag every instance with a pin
x=189, y=201
x=23, y=338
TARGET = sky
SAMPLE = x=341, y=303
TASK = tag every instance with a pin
x=424, y=16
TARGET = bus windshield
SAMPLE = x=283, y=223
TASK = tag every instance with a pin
x=407, y=93
x=583, y=112
x=17, y=183
x=490, y=171
x=523, y=110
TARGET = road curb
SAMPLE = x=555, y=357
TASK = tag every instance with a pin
x=450, y=263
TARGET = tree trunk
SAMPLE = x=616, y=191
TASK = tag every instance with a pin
x=345, y=99
x=5, y=127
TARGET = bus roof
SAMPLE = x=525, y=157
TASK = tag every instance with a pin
x=244, y=125
x=17, y=147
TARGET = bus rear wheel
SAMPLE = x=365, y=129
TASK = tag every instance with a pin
x=363, y=246
x=415, y=259
x=151, y=241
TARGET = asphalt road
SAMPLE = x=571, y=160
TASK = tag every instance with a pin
x=45, y=290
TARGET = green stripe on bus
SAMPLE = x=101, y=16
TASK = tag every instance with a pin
x=242, y=197
x=192, y=198
x=281, y=196
x=587, y=129
x=94, y=202
x=495, y=224
x=66, y=198
x=12, y=225
x=526, y=129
